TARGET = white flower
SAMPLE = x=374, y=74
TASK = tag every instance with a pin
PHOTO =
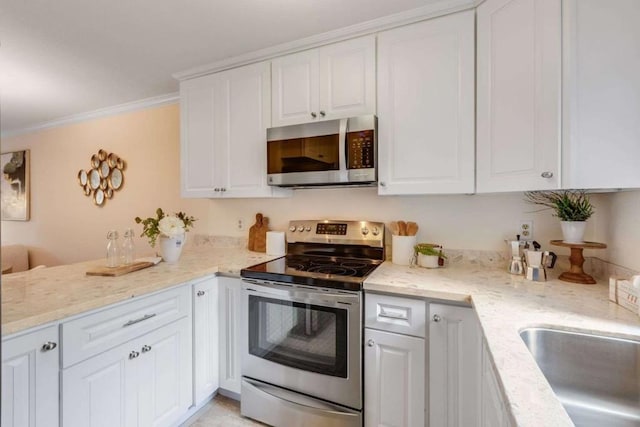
x=171, y=226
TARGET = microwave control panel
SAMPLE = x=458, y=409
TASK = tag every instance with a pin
x=361, y=149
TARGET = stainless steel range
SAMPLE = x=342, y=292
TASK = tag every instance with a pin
x=302, y=316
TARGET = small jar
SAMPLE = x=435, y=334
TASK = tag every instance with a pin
x=128, y=249
x=113, y=249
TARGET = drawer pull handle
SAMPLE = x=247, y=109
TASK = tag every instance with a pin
x=146, y=348
x=142, y=319
x=49, y=346
x=391, y=315
x=200, y=293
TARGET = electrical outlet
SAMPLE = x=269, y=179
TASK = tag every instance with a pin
x=526, y=230
x=240, y=224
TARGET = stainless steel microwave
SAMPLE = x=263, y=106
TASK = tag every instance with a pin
x=332, y=152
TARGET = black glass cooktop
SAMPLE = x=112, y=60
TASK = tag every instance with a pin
x=327, y=271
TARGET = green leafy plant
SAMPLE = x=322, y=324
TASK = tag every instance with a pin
x=166, y=225
x=429, y=250
x=568, y=205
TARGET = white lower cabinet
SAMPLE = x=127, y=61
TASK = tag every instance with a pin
x=394, y=379
x=229, y=316
x=493, y=412
x=144, y=382
x=205, y=339
x=30, y=379
x=454, y=366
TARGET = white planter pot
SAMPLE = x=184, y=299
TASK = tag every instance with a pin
x=171, y=248
x=428, y=261
x=573, y=231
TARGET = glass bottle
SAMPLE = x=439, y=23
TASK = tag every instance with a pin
x=113, y=249
x=128, y=248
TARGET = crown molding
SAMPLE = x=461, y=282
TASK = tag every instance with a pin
x=155, y=101
x=440, y=8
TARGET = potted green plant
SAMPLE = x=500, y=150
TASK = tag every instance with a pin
x=573, y=207
x=170, y=230
x=429, y=255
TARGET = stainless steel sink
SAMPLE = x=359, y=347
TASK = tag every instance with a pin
x=596, y=378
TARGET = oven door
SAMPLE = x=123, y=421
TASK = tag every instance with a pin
x=304, y=339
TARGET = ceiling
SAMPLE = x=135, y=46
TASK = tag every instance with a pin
x=66, y=57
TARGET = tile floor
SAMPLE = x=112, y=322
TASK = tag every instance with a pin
x=220, y=412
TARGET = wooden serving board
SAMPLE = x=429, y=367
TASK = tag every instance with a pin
x=119, y=271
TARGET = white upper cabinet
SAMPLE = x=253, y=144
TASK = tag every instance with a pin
x=601, y=94
x=518, y=107
x=224, y=121
x=330, y=82
x=426, y=107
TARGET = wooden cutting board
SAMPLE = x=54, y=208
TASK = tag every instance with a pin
x=258, y=234
x=118, y=271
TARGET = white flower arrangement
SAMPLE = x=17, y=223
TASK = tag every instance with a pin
x=165, y=225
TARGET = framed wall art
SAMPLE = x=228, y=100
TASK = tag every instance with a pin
x=14, y=188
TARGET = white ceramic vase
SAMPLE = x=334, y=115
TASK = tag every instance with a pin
x=171, y=247
x=573, y=231
x=428, y=261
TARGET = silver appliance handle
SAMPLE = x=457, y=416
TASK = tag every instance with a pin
x=296, y=401
x=342, y=153
x=301, y=295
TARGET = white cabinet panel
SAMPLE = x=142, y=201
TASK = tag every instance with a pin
x=493, y=413
x=30, y=379
x=455, y=347
x=394, y=380
x=334, y=81
x=205, y=341
x=426, y=107
x=230, y=357
x=601, y=135
x=518, y=107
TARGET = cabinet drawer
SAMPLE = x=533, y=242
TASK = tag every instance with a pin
x=102, y=330
x=395, y=314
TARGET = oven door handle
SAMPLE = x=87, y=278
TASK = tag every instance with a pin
x=302, y=296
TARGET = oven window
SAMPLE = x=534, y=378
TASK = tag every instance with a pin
x=308, y=337
x=318, y=153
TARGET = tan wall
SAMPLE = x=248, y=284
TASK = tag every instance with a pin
x=624, y=246
x=65, y=225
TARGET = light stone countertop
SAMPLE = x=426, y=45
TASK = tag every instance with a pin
x=506, y=304
x=33, y=298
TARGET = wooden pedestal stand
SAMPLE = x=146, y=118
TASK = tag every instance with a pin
x=576, y=274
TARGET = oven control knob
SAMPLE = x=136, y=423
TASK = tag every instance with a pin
x=300, y=228
x=307, y=228
x=292, y=228
x=375, y=231
x=364, y=231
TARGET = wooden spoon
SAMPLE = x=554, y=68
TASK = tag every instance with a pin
x=412, y=228
x=403, y=228
x=395, y=230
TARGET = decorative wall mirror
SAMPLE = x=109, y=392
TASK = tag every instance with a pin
x=104, y=178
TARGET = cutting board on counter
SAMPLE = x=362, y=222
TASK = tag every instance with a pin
x=118, y=271
x=258, y=234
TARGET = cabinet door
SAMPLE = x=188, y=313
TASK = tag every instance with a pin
x=519, y=77
x=348, y=78
x=601, y=90
x=230, y=357
x=426, y=107
x=30, y=380
x=294, y=84
x=394, y=380
x=455, y=348
x=199, y=127
x=493, y=413
x=205, y=338
x=164, y=375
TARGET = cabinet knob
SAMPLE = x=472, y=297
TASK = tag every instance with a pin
x=200, y=293
x=146, y=348
x=383, y=184
x=371, y=343
x=313, y=114
x=436, y=318
x=547, y=174
x=216, y=189
x=322, y=113
x=134, y=354
x=49, y=346
x=223, y=189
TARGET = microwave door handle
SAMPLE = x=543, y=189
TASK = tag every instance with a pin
x=342, y=151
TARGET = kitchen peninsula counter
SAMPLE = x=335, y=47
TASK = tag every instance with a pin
x=34, y=298
x=505, y=304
